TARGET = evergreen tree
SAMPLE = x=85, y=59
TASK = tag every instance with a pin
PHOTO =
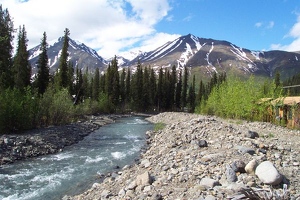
x=128, y=87
x=6, y=48
x=21, y=65
x=43, y=75
x=137, y=88
x=96, y=85
x=201, y=92
x=152, y=88
x=192, y=96
x=115, y=82
x=178, y=92
x=184, y=88
x=160, y=89
x=63, y=73
x=123, y=88
x=277, y=79
x=146, y=90
x=78, y=88
x=173, y=81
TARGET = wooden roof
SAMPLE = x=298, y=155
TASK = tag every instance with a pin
x=286, y=101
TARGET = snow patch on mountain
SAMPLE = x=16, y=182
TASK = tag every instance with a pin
x=185, y=56
x=197, y=42
x=240, y=53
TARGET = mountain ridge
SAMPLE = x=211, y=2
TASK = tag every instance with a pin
x=202, y=55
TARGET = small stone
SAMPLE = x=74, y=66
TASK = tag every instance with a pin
x=122, y=193
x=251, y=166
x=268, y=174
x=210, y=197
x=230, y=174
x=238, y=166
x=202, y=143
x=208, y=182
x=143, y=179
x=105, y=194
x=245, y=150
x=251, y=134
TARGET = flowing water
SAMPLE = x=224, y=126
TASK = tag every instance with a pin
x=76, y=168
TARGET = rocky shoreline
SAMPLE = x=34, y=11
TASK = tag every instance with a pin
x=202, y=157
x=48, y=140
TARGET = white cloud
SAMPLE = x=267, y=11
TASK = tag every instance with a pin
x=270, y=25
x=294, y=33
x=258, y=24
x=106, y=25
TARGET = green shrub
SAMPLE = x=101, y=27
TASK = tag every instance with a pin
x=18, y=110
x=159, y=126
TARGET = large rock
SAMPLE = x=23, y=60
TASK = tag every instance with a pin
x=268, y=174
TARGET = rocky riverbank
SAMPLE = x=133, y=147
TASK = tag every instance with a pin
x=200, y=157
x=48, y=140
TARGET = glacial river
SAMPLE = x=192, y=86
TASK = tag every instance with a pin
x=76, y=168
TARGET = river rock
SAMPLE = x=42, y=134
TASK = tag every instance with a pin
x=268, y=174
x=143, y=179
x=245, y=150
x=230, y=174
x=251, y=166
x=202, y=143
x=238, y=166
x=208, y=182
x=251, y=134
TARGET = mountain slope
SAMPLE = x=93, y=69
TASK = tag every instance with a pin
x=79, y=54
x=207, y=56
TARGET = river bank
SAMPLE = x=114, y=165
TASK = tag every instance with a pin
x=201, y=157
x=48, y=140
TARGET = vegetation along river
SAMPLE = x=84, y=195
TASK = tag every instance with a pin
x=76, y=168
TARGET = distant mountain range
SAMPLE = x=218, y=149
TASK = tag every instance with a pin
x=203, y=56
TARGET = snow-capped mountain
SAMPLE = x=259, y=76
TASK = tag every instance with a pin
x=79, y=54
x=203, y=56
x=209, y=55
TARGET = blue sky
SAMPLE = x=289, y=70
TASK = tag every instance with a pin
x=114, y=27
x=254, y=24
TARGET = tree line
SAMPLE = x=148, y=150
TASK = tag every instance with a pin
x=28, y=101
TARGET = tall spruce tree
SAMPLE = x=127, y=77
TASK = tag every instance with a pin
x=63, y=73
x=184, y=88
x=173, y=81
x=6, y=48
x=178, y=91
x=122, y=88
x=152, y=88
x=160, y=89
x=96, y=85
x=192, y=96
x=43, y=75
x=128, y=87
x=21, y=65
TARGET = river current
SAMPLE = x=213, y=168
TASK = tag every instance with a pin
x=75, y=169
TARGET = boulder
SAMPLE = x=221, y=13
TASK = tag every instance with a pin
x=268, y=174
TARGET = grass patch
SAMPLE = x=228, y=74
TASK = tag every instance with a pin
x=159, y=126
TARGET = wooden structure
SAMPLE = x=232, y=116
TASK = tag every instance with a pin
x=287, y=111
